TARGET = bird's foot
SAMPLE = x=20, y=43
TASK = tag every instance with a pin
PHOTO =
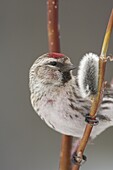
x=78, y=159
x=91, y=121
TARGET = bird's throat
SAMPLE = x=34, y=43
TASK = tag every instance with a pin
x=66, y=76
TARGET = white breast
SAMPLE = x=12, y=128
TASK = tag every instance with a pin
x=54, y=108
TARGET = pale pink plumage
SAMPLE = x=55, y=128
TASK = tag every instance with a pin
x=57, y=99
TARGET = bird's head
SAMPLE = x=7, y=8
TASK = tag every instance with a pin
x=51, y=68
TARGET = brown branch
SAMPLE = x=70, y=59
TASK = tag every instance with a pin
x=65, y=153
x=53, y=27
x=96, y=100
x=54, y=46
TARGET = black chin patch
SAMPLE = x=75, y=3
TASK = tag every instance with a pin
x=66, y=76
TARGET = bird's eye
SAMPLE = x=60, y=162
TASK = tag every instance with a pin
x=53, y=63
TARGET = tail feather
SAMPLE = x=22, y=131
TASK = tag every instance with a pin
x=106, y=107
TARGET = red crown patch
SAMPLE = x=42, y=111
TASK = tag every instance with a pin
x=55, y=55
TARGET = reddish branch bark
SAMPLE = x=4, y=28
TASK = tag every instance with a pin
x=96, y=100
x=54, y=46
x=65, y=155
x=53, y=26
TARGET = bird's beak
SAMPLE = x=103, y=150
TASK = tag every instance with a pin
x=67, y=67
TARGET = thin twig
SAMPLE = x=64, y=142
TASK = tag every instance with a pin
x=96, y=100
x=53, y=27
x=65, y=153
x=54, y=46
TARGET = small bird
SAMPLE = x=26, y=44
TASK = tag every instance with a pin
x=63, y=100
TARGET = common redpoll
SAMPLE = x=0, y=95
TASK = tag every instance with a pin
x=63, y=100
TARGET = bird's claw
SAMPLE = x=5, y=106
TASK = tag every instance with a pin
x=78, y=160
x=91, y=121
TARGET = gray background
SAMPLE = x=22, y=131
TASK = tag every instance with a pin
x=26, y=143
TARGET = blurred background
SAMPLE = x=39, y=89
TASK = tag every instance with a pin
x=26, y=143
